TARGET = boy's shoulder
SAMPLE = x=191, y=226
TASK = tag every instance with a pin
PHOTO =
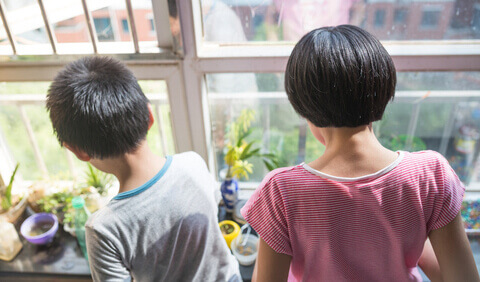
x=188, y=160
x=189, y=157
x=101, y=220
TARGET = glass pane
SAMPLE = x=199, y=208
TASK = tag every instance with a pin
x=67, y=19
x=145, y=23
x=27, y=27
x=432, y=110
x=15, y=135
x=31, y=95
x=107, y=18
x=5, y=48
x=160, y=136
x=288, y=20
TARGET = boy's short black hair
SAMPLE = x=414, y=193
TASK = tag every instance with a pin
x=340, y=77
x=97, y=106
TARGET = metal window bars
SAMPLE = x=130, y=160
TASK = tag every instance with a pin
x=3, y=12
x=164, y=29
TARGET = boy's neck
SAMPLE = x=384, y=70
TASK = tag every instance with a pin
x=133, y=169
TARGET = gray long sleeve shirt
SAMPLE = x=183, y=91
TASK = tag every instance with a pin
x=165, y=230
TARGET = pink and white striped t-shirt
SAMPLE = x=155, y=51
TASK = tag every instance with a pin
x=369, y=228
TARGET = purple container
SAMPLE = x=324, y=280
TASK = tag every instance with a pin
x=36, y=221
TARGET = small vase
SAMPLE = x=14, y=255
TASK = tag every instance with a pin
x=229, y=189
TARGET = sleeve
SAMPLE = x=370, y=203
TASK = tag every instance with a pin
x=448, y=198
x=265, y=212
x=105, y=264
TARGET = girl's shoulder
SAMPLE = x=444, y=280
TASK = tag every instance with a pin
x=426, y=159
x=284, y=175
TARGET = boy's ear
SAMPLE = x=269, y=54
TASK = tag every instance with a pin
x=150, y=116
x=81, y=155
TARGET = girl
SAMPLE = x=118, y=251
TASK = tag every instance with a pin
x=359, y=211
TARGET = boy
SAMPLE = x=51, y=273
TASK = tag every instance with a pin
x=162, y=225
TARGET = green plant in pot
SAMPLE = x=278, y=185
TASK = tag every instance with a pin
x=239, y=150
x=97, y=179
x=12, y=206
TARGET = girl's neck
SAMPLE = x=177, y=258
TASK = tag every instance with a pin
x=352, y=152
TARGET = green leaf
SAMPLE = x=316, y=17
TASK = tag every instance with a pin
x=245, y=150
x=268, y=165
x=98, y=179
x=242, y=136
x=252, y=153
x=7, y=201
x=269, y=155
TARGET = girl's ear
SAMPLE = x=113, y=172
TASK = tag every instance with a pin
x=81, y=155
x=150, y=115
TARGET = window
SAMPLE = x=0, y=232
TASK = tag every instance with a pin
x=400, y=16
x=476, y=20
x=432, y=110
x=152, y=24
x=26, y=130
x=125, y=27
x=379, y=18
x=104, y=29
x=287, y=21
x=216, y=58
x=430, y=19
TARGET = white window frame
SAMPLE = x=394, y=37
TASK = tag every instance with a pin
x=184, y=69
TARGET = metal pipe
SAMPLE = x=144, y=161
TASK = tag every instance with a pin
x=3, y=12
x=133, y=28
x=33, y=141
x=48, y=27
x=412, y=126
x=91, y=27
x=161, y=129
x=71, y=164
x=448, y=129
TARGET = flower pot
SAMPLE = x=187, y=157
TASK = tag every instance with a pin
x=229, y=189
x=234, y=230
x=15, y=211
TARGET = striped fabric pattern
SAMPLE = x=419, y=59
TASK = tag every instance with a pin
x=369, y=228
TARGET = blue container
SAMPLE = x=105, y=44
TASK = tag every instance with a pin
x=229, y=191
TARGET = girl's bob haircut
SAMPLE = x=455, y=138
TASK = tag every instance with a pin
x=340, y=77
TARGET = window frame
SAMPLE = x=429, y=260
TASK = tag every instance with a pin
x=184, y=68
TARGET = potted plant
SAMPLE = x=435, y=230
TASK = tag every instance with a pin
x=98, y=184
x=12, y=206
x=239, y=150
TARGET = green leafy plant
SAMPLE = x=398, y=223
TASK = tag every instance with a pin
x=58, y=202
x=61, y=202
x=400, y=142
x=7, y=192
x=98, y=179
x=239, y=150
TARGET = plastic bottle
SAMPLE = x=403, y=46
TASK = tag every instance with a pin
x=79, y=220
x=10, y=244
